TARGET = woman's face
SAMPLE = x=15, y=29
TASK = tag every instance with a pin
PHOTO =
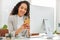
x=22, y=9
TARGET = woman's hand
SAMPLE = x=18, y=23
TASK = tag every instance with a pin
x=19, y=30
x=26, y=25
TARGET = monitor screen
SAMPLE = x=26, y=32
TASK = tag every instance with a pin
x=37, y=14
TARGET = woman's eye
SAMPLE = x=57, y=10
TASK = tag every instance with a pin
x=21, y=7
x=25, y=8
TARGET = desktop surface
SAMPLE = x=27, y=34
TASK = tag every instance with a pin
x=40, y=37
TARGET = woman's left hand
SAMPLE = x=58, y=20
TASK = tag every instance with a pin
x=26, y=26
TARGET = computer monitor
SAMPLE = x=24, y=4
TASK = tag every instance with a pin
x=37, y=14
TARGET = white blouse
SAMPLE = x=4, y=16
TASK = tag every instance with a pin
x=20, y=21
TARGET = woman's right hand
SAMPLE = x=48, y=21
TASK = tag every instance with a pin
x=26, y=25
x=19, y=30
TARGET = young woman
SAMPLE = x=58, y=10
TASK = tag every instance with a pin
x=19, y=19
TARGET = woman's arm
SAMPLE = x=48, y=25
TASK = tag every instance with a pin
x=26, y=25
x=10, y=24
x=19, y=30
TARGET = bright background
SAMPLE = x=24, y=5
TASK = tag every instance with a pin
x=7, y=6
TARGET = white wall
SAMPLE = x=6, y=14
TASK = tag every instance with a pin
x=7, y=6
x=0, y=13
x=58, y=14
x=46, y=3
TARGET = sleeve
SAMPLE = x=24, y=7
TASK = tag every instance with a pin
x=10, y=25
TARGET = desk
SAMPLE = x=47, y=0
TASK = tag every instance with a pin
x=43, y=37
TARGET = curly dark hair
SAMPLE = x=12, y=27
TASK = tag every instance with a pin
x=15, y=9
